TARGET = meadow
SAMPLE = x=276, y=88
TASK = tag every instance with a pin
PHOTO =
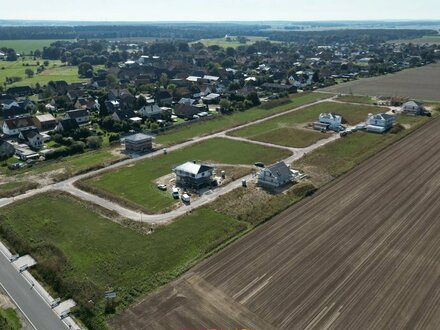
x=222, y=122
x=24, y=47
x=234, y=43
x=286, y=130
x=133, y=186
x=81, y=254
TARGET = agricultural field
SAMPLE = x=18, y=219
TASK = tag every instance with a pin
x=222, y=122
x=356, y=99
x=54, y=71
x=24, y=47
x=419, y=41
x=360, y=253
x=290, y=130
x=234, y=43
x=74, y=244
x=134, y=186
x=421, y=83
x=337, y=158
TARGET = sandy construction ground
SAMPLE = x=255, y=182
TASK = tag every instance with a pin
x=363, y=253
x=419, y=83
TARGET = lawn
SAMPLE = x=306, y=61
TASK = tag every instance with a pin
x=15, y=188
x=222, y=122
x=9, y=319
x=340, y=156
x=286, y=130
x=56, y=70
x=26, y=46
x=222, y=42
x=82, y=254
x=133, y=186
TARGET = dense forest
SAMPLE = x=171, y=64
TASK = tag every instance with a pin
x=197, y=31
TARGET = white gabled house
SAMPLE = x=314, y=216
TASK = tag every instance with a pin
x=328, y=121
x=81, y=116
x=413, y=108
x=380, y=122
x=13, y=127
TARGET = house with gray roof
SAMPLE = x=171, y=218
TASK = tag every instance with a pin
x=193, y=176
x=138, y=143
x=380, y=122
x=275, y=176
x=413, y=108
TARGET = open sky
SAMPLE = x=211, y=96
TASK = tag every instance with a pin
x=219, y=10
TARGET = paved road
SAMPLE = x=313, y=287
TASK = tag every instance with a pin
x=30, y=303
x=363, y=253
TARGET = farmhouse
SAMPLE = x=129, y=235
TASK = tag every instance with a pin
x=379, y=123
x=327, y=121
x=123, y=115
x=188, y=111
x=14, y=126
x=275, y=176
x=413, y=108
x=20, y=91
x=138, y=143
x=81, y=116
x=194, y=176
x=14, y=112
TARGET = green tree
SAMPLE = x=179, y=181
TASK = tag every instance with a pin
x=29, y=73
x=94, y=142
x=85, y=69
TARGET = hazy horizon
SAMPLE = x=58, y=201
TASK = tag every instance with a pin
x=221, y=11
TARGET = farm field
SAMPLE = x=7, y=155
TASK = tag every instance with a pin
x=55, y=71
x=77, y=249
x=328, y=260
x=356, y=99
x=421, y=83
x=134, y=186
x=289, y=130
x=337, y=158
x=423, y=40
x=26, y=46
x=223, y=122
x=233, y=43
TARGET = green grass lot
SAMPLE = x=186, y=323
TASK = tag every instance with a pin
x=340, y=156
x=222, y=122
x=82, y=254
x=9, y=319
x=134, y=186
x=284, y=130
x=55, y=71
x=233, y=43
x=70, y=165
x=356, y=99
x=26, y=46
x=15, y=188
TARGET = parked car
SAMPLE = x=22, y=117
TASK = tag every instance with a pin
x=259, y=164
x=185, y=198
x=162, y=187
x=16, y=166
x=175, y=193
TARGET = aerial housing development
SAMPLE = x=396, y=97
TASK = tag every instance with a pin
x=240, y=175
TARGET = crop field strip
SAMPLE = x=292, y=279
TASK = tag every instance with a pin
x=418, y=83
x=362, y=253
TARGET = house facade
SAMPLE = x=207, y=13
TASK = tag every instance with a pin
x=413, y=108
x=332, y=120
x=151, y=110
x=193, y=176
x=275, y=176
x=13, y=127
x=33, y=139
x=380, y=123
x=81, y=116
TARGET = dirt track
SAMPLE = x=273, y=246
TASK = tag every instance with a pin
x=363, y=253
